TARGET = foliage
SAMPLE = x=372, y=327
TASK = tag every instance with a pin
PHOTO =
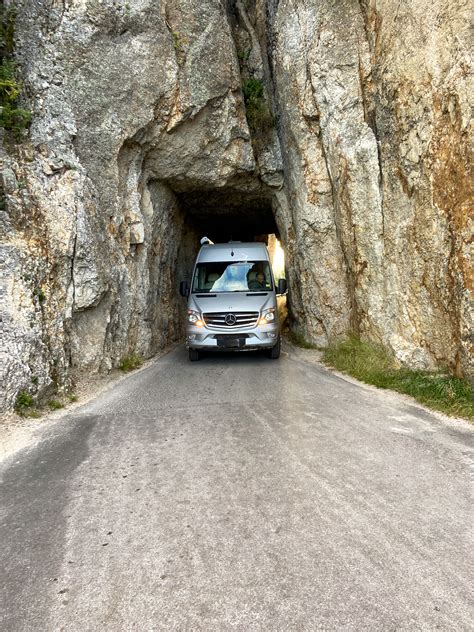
x=7, y=30
x=372, y=364
x=25, y=405
x=9, y=88
x=39, y=294
x=72, y=397
x=24, y=400
x=179, y=44
x=177, y=41
x=55, y=404
x=130, y=362
x=244, y=55
x=13, y=118
x=259, y=117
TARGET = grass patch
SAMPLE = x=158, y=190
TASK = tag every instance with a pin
x=55, y=404
x=72, y=397
x=32, y=413
x=24, y=400
x=130, y=362
x=372, y=364
x=25, y=405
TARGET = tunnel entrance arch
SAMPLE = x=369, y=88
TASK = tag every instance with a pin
x=185, y=214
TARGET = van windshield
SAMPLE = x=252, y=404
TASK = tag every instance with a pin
x=238, y=276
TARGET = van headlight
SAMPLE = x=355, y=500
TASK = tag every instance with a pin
x=195, y=318
x=268, y=316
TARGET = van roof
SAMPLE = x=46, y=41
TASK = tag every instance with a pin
x=233, y=251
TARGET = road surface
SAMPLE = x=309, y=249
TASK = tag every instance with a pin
x=240, y=493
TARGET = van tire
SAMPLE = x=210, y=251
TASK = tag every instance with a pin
x=194, y=355
x=274, y=352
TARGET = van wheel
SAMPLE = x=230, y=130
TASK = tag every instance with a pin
x=194, y=355
x=274, y=352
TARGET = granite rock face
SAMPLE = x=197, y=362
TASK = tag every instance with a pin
x=374, y=108
x=138, y=106
x=131, y=102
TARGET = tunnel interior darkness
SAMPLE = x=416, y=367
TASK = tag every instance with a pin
x=227, y=215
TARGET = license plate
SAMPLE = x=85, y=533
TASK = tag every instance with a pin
x=230, y=343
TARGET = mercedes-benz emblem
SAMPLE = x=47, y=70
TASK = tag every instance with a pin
x=230, y=319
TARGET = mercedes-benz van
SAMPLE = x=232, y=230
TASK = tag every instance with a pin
x=232, y=302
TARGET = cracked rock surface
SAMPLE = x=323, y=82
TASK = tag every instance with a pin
x=138, y=105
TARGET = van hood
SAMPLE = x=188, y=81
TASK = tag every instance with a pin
x=231, y=302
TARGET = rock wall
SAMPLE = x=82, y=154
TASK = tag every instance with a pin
x=373, y=99
x=132, y=102
x=138, y=105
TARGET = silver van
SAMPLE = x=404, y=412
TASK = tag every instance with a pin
x=232, y=301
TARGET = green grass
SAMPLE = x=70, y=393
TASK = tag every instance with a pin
x=55, y=404
x=130, y=362
x=370, y=363
x=25, y=405
x=34, y=413
x=24, y=400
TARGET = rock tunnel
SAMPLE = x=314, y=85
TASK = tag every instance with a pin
x=181, y=214
x=153, y=124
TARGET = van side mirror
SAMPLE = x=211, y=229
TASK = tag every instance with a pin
x=282, y=286
x=184, y=288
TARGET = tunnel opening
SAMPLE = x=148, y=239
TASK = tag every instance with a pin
x=229, y=215
x=183, y=217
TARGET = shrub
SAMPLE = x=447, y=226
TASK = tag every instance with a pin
x=259, y=117
x=13, y=118
x=130, y=362
x=7, y=30
x=24, y=400
x=54, y=404
x=25, y=405
x=179, y=43
x=39, y=294
x=244, y=55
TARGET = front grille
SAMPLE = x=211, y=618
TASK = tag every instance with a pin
x=242, y=319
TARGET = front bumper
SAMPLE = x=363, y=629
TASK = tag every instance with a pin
x=209, y=339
